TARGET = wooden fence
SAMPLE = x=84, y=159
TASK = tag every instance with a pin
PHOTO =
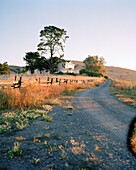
x=18, y=81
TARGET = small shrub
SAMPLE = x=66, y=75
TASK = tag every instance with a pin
x=59, y=73
x=82, y=71
x=15, y=151
x=70, y=114
x=96, y=84
x=4, y=128
x=47, y=107
x=22, y=124
x=73, y=74
x=20, y=138
x=47, y=118
x=36, y=161
x=57, y=137
x=47, y=135
x=92, y=74
x=106, y=77
x=69, y=107
x=54, y=102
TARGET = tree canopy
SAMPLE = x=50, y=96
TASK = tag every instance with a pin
x=95, y=64
x=4, y=68
x=52, y=41
x=31, y=60
x=35, y=61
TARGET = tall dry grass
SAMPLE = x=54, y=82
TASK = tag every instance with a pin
x=124, y=85
x=125, y=91
x=35, y=95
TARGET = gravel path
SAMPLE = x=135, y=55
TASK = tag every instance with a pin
x=110, y=118
x=91, y=136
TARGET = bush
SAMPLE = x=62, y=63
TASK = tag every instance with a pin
x=106, y=77
x=73, y=74
x=59, y=73
x=82, y=71
x=92, y=74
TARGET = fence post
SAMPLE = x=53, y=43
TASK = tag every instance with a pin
x=48, y=79
x=20, y=81
x=56, y=80
x=51, y=81
x=39, y=80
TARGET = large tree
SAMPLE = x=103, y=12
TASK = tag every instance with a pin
x=4, y=68
x=35, y=61
x=52, y=41
x=31, y=60
x=95, y=64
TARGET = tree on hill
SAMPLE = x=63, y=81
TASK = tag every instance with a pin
x=4, y=68
x=31, y=60
x=95, y=64
x=52, y=40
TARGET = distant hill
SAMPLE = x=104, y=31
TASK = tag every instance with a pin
x=78, y=64
x=15, y=69
x=113, y=72
x=121, y=73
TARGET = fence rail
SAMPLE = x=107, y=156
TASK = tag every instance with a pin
x=19, y=81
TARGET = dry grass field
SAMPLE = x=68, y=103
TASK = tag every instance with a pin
x=121, y=73
x=125, y=91
x=35, y=94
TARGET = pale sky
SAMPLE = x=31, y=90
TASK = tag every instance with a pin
x=96, y=27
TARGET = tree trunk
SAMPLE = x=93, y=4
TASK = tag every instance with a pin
x=51, y=64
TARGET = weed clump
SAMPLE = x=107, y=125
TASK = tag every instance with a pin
x=15, y=151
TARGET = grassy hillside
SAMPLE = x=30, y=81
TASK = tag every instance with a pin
x=121, y=73
x=114, y=72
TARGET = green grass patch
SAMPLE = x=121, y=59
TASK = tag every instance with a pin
x=97, y=85
x=47, y=118
x=19, y=120
x=70, y=93
x=70, y=114
x=57, y=137
x=15, y=151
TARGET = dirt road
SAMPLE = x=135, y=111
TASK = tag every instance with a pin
x=110, y=119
